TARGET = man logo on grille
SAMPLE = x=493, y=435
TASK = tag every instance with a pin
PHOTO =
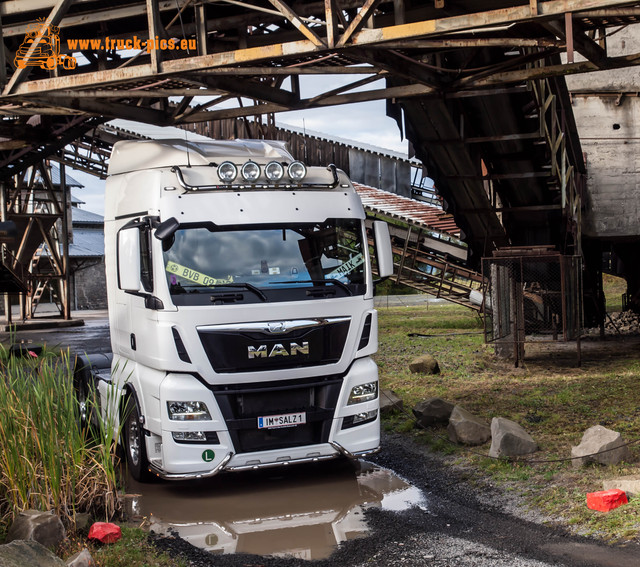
x=293, y=349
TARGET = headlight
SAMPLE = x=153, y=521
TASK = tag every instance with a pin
x=188, y=411
x=227, y=172
x=363, y=393
x=250, y=171
x=194, y=436
x=274, y=171
x=297, y=170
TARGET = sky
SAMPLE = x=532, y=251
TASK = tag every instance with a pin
x=365, y=122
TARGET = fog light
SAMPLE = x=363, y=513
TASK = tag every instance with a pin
x=195, y=436
x=188, y=411
x=364, y=416
x=274, y=171
x=363, y=393
x=250, y=171
x=297, y=170
x=227, y=172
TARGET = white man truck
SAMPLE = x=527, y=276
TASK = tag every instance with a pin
x=240, y=295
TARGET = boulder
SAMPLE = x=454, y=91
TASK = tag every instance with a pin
x=466, y=428
x=424, y=364
x=600, y=445
x=432, y=411
x=389, y=402
x=508, y=439
x=20, y=553
x=81, y=559
x=44, y=527
x=629, y=484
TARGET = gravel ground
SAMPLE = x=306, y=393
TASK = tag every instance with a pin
x=462, y=526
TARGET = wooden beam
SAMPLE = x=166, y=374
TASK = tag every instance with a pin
x=332, y=24
x=298, y=23
x=361, y=17
x=154, y=30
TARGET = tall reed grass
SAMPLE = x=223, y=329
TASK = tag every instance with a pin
x=46, y=461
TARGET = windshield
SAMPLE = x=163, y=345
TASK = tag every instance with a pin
x=209, y=264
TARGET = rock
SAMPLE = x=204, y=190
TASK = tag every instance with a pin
x=600, y=445
x=389, y=401
x=20, y=553
x=44, y=527
x=81, y=559
x=432, y=411
x=424, y=364
x=630, y=484
x=466, y=428
x=82, y=520
x=606, y=500
x=508, y=439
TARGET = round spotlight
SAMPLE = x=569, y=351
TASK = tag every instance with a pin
x=227, y=172
x=250, y=171
x=274, y=171
x=297, y=170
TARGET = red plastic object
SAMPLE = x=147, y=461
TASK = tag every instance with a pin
x=606, y=500
x=105, y=532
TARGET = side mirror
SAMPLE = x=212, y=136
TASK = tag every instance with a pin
x=129, y=259
x=384, y=254
x=167, y=229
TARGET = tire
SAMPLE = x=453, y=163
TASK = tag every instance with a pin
x=86, y=396
x=133, y=441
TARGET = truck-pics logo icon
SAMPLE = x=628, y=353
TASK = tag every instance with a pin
x=46, y=54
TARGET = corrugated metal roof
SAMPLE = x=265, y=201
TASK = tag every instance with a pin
x=87, y=242
x=80, y=216
x=55, y=177
x=408, y=210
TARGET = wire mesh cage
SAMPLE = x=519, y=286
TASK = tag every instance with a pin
x=534, y=295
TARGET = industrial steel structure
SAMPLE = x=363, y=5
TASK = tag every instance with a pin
x=476, y=87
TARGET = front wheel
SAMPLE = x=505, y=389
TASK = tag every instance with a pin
x=133, y=441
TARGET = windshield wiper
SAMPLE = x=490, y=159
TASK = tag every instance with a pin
x=243, y=285
x=340, y=284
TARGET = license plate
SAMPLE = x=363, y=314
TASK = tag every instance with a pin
x=283, y=420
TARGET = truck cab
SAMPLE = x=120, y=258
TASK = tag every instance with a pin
x=240, y=292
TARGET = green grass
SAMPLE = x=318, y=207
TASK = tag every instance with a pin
x=47, y=462
x=554, y=400
x=133, y=550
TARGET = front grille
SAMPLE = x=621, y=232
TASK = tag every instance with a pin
x=242, y=405
x=249, y=347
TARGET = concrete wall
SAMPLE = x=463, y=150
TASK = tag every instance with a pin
x=607, y=112
x=89, y=289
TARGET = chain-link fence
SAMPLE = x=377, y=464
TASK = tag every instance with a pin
x=534, y=295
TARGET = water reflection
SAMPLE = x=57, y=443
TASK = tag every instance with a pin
x=304, y=511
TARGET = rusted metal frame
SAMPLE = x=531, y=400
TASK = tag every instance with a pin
x=203, y=62
x=577, y=39
x=392, y=92
x=3, y=65
x=132, y=94
x=404, y=254
x=46, y=179
x=298, y=23
x=332, y=22
x=478, y=20
x=568, y=26
x=51, y=244
x=446, y=43
x=399, y=16
x=65, y=288
x=252, y=89
x=105, y=14
x=345, y=88
x=201, y=29
x=360, y=19
x=53, y=19
x=504, y=66
x=153, y=21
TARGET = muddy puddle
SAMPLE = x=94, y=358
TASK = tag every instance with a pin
x=304, y=511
